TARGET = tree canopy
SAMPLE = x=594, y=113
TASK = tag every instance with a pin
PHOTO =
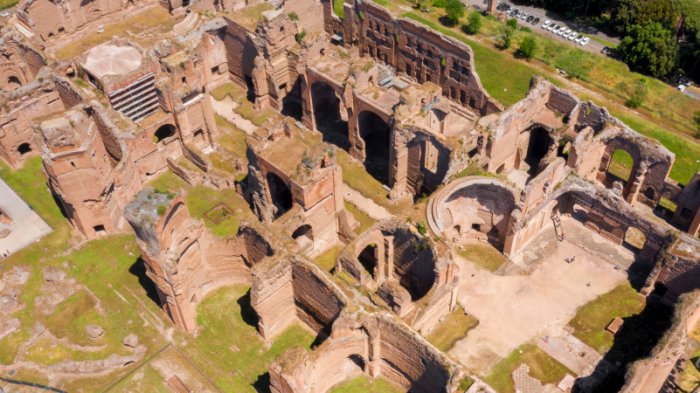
x=650, y=48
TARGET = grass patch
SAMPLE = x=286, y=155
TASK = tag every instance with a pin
x=355, y=176
x=232, y=138
x=542, y=367
x=326, y=261
x=156, y=19
x=339, y=9
x=249, y=16
x=365, y=220
x=4, y=4
x=590, y=321
x=365, y=385
x=228, y=346
x=453, y=328
x=245, y=108
x=483, y=256
x=202, y=199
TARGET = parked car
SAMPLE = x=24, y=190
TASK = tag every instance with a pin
x=572, y=36
x=546, y=24
x=529, y=19
x=584, y=41
x=579, y=39
x=552, y=27
x=535, y=21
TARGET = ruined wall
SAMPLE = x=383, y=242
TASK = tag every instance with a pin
x=373, y=345
x=21, y=107
x=183, y=259
x=474, y=208
x=240, y=52
x=290, y=289
x=49, y=20
x=419, y=52
x=19, y=63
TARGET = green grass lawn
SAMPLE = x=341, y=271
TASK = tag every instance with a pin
x=365, y=220
x=201, y=199
x=482, y=255
x=338, y=8
x=7, y=3
x=453, y=328
x=364, y=385
x=326, y=261
x=590, y=321
x=542, y=367
x=228, y=346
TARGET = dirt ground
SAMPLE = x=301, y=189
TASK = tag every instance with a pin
x=515, y=309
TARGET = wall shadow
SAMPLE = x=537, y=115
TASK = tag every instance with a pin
x=138, y=269
x=636, y=340
x=248, y=313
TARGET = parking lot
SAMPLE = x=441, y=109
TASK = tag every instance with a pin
x=544, y=15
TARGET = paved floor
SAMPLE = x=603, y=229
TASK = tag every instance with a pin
x=365, y=204
x=515, y=309
x=26, y=226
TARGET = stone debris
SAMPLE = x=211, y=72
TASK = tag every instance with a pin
x=94, y=331
x=132, y=340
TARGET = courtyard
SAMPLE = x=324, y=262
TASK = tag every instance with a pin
x=541, y=298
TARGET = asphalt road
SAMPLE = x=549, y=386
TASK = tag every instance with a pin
x=592, y=46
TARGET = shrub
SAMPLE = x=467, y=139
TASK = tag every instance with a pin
x=527, y=48
x=300, y=36
x=639, y=94
x=474, y=23
x=293, y=16
x=454, y=11
x=512, y=23
x=505, y=37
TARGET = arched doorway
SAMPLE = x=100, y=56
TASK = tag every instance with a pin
x=620, y=165
x=24, y=148
x=164, y=132
x=368, y=258
x=377, y=136
x=304, y=235
x=538, y=146
x=329, y=122
x=280, y=194
x=13, y=83
x=291, y=103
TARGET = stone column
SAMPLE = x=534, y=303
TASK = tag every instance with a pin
x=398, y=167
x=635, y=185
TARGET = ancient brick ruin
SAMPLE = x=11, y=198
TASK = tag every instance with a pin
x=403, y=101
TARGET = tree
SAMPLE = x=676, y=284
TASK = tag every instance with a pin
x=474, y=23
x=505, y=36
x=454, y=11
x=512, y=23
x=527, y=47
x=650, y=48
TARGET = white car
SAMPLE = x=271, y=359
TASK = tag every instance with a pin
x=563, y=30
x=579, y=39
x=551, y=27
x=546, y=24
x=584, y=41
x=572, y=36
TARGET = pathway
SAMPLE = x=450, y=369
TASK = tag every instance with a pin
x=25, y=226
x=365, y=204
